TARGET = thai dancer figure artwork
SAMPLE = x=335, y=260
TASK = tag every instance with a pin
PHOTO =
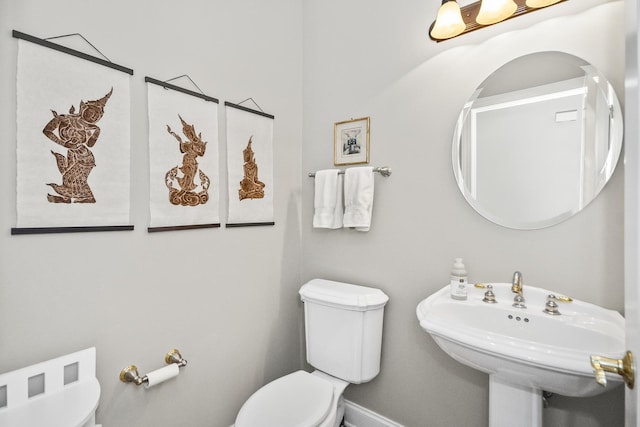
x=250, y=186
x=184, y=190
x=77, y=132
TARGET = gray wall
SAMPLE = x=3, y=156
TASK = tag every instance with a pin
x=237, y=318
x=364, y=58
x=225, y=297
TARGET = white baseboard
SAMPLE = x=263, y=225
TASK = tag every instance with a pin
x=358, y=416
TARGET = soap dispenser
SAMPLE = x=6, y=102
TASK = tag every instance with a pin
x=458, y=283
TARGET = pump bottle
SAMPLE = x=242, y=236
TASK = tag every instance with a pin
x=458, y=282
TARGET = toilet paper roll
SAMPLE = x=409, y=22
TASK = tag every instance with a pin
x=161, y=375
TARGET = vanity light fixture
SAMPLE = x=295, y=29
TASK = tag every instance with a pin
x=449, y=21
x=494, y=11
x=453, y=20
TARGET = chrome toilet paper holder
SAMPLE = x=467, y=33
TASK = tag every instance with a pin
x=130, y=373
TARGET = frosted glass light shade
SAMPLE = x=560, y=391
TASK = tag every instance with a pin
x=534, y=4
x=492, y=11
x=448, y=22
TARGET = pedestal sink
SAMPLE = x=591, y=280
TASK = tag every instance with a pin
x=524, y=350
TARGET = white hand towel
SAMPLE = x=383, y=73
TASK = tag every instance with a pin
x=358, y=198
x=328, y=202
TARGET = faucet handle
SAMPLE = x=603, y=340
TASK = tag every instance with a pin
x=551, y=307
x=489, y=296
x=560, y=298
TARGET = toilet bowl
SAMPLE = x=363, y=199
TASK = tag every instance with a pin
x=300, y=399
x=343, y=330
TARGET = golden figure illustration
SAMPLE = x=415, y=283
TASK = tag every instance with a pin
x=76, y=132
x=186, y=194
x=250, y=186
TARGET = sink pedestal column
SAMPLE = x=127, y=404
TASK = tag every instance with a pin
x=513, y=405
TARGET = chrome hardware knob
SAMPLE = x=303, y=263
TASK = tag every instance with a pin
x=489, y=296
x=551, y=307
x=518, y=301
x=623, y=367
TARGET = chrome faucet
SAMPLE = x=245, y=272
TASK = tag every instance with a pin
x=516, y=283
x=516, y=287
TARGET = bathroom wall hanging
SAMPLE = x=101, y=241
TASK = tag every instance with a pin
x=183, y=157
x=250, y=165
x=351, y=142
x=73, y=140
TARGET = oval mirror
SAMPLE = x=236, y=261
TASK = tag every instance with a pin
x=537, y=140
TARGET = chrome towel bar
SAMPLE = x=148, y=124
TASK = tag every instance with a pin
x=382, y=170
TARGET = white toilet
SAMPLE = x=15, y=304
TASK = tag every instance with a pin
x=343, y=325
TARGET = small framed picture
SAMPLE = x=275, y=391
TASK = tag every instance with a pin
x=351, y=142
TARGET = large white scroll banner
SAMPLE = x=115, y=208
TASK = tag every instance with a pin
x=250, y=166
x=73, y=141
x=184, y=165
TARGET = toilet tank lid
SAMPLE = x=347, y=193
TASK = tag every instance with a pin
x=343, y=295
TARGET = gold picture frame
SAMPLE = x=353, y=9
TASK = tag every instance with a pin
x=351, y=142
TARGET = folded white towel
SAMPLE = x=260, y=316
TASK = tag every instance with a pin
x=328, y=202
x=358, y=198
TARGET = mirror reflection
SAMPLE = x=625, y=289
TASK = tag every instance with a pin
x=537, y=140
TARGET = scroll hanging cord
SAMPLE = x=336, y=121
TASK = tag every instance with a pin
x=83, y=38
x=190, y=79
x=252, y=100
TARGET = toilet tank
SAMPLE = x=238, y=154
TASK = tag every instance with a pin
x=343, y=327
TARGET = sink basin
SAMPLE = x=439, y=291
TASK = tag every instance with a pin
x=526, y=346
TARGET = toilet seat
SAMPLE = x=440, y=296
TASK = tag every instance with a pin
x=299, y=399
